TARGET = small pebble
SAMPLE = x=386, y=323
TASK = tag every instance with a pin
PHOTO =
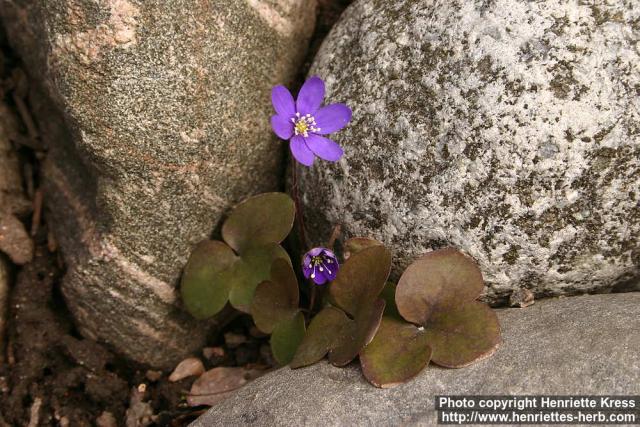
x=189, y=367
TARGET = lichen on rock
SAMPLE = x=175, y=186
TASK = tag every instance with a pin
x=508, y=129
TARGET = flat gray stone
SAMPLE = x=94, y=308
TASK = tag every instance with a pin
x=158, y=123
x=508, y=129
x=579, y=345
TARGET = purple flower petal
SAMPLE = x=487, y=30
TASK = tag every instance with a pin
x=331, y=275
x=306, y=270
x=300, y=151
x=320, y=278
x=282, y=101
x=281, y=126
x=332, y=118
x=315, y=251
x=324, y=147
x=310, y=96
x=329, y=253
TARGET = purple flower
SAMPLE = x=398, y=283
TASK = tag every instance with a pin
x=304, y=122
x=321, y=265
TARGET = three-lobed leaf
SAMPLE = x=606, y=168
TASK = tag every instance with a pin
x=253, y=267
x=357, y=333
x=215, y=274
x=276, y=299
x=323, y=334
x=286, y=338
x=344, y=329
x=439, y=277
x=439, y=291
x=398, y=352
x=259, y=220
x=361, y=279
x=203, y=288
x=462, y=334
x=356, y=244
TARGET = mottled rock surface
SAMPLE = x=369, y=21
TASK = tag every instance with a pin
x=509, y=129
x=165, y=124
x=14, y=238
x=549, y=348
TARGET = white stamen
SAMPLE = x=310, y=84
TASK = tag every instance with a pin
x=304, y=125
x=326, y=268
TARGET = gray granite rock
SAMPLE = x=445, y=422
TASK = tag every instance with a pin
x=579, y=345
x=158, y=123
x=508, y=129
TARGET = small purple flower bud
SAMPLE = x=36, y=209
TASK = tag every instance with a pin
x=320, y=265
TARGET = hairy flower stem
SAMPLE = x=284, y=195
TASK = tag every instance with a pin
x=303, y=235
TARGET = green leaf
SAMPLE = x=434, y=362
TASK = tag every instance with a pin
x=462, y=334
x=439, y=277
x=252, y=268
x=356, y=244
x=438, y=291
x=286, y=338
x=357, y=333
x=361, y=279
x=276, y=299
x=259, y=220
x=204, y=290
x=323, y=334
x=397, y=353
x=389, y=296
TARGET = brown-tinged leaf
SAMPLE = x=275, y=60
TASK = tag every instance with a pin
x=357, y=333
x=259, y=220
x=218, y=383
x=275, y=299
x=356, y=244
x=438, y=291
x=462, y=333
x=322, y=335
x=286, y=338
x=204, y=290
x=189, y=367
x=437, y=278
x=397, y=353
x=252, y=268
x=361, y=279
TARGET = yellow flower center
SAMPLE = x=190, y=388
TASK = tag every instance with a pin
x=302, y=125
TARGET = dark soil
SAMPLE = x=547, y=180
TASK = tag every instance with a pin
x=53, y=376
